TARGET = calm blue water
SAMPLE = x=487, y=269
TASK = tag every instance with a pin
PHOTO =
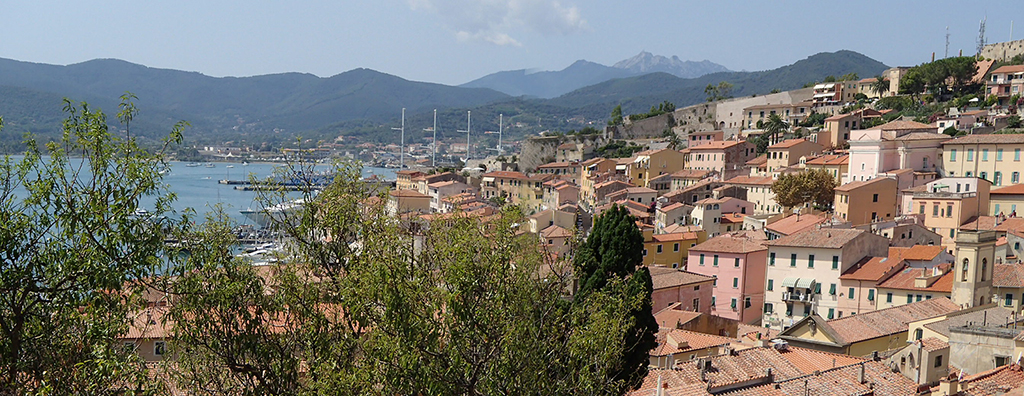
x=198, y=187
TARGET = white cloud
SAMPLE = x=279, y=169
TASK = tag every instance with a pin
x=495, y=21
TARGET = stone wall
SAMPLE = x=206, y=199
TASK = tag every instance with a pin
x=1003, y=51
x=539, y=150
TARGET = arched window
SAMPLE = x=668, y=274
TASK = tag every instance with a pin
x=963, y=270
x=984, y=268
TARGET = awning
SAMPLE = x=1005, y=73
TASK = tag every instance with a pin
x=825, y=95
x=805, y=283
x=790, y=282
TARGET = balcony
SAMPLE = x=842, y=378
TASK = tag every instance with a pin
x=806, y=298
x=945, y=195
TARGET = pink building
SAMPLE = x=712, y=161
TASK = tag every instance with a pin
x=672, y=285
x=894, y=146
x=737, y=260
x=719, y=156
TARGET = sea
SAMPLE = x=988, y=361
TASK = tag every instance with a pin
x=198, y=187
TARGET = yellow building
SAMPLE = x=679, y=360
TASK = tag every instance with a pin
x=593, y=171
x=861, y=335
x=996, y=158
x=1005, y=200
x=866, y=202
x=947, y=203
x=835, y=164
x=670, y=250
x=647, y=165
x=403, y=179
x=788, y=153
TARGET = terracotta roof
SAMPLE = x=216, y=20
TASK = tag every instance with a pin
x=443, y=183
x=741, y=366
x=557, y=165
x=899, y=125
x=751, y=180
x=789, y=143
x=919, y=252
x=858, y=184
x=716, y=145
x=681, y=228
x=592, y=161
x=878, y=380
x=674, y=206
x=640, y=190
x=987, y=223
x=931, y=344
x=872, y=268
x=664, y=278
x=407, y=194
x=829, y=159
x=149, y=323
x=690, y=174
x=794, y=224
x=997, y=381
x=409, y=173
x=987, y=139
x=759, y=160
x=1013, y=189
x=1011, y=224
x=904, y=280
x=555, y=232
x=505, y=175
x=1008, y=275
x=733, y=218
x=810, y=360
x=1009, y=69
x=674, y=316
x=883, y=322
x=992, y=314
x=674, y=237
x=923, y=136
x=839, y=117
x=735, y=242
x=748, y=330
x=566, y=146
x=669, y=339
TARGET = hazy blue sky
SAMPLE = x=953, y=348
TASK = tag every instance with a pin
x=456, y=41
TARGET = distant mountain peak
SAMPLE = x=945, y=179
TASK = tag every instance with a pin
x=646, y=62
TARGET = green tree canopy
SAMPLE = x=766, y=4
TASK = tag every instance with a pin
x=815, y=186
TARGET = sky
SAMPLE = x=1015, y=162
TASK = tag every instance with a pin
x=456, y=41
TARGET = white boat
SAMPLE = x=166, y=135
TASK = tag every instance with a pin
x=209, y=165
x=274, y=214
x=230, y=166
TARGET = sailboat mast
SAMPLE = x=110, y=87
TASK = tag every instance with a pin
x=402, y=146
x=469, y=128
x=433, y=161
x=501, y=123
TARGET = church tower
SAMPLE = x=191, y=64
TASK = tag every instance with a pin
x=975, y=259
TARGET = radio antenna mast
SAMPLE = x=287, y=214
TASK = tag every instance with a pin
x=469, y=127
x=402, y=146
x=433, y=160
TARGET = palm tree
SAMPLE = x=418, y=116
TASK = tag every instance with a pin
x=774, y=127
x=880, y=86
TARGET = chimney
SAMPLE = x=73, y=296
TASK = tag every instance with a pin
x=949, y=386
x=860, y=374
x=874, y=356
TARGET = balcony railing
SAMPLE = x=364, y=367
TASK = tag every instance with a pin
x=798, y=297
x=945, y=195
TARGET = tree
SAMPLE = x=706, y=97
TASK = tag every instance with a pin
x=849, y=77
x=815, y=186
x=775, y=127
x=616, y=117
x=880, y=86
x=718, y=92
x=613, y=253
x=1013, y=121
x=76, y=251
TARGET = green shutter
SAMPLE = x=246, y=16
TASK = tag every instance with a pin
x=871, y=294
x=910, y=298
x=851, y=293
x=888, y=297
x=835, y=262
x=832, y=289
x=831, y=313
x=771, y=285
x=817, y=288
x=733, y=304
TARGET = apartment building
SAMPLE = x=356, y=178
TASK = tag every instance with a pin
x=649, y=164
x=947, y=203
x=787, y=153
x=720, y=156
x=866, y=202
x=996, y=158
x=898, y=145
x=738, y=261
x=1006, y=82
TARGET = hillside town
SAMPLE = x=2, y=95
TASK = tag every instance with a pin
x=905, y=279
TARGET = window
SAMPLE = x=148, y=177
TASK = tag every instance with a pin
x=997, y=179
x=1008, y=300
x=771, y=284
x=831, y=313
x=807, y=309
x=702, y=259
x=789, y=309
x=938, y=361
x=999, y=154
x=952, y=155
x=746, y=303
x=159, y=348
x=871, y=294
x=1001, y=361
x=935, y=210
x=922, y=209
x=736, y=262
x=963, y=271
x=832, y=289
x=817, y=288
x=713, y=302
x=910, y=298
x=645, y=252
x=735, y=283
x=851, y=294
x=659, y=249
x=970, y=155
x=715, y=262
x=675, y=247
x=888, y=297
x=918, y=334
x=984, y=154
x=983, y=175
x=696, y=305
x=792, y=260
x=769, y=308
x=810, y=261
x=874, y=198
x=835, y=262
x=919, y=297
x=1015, y=177
x=984, y=268
x=1016, y=154
x=771, y=259
x=949, y=210
x=732, y=304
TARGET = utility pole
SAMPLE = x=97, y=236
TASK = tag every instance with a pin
x=469, y=127
x=433, y=161
x=402, y=146
x=947, y=43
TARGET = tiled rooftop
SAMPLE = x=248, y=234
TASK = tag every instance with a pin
x=735, y=242
x=905, y=279
x=664, y=277
x=668, y=339
x=888, y=321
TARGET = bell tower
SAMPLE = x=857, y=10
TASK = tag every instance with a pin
x=975, y=259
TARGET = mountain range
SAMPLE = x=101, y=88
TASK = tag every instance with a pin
x=275, y=109
x=549, y=84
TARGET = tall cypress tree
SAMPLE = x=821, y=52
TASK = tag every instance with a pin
x=614, y=250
